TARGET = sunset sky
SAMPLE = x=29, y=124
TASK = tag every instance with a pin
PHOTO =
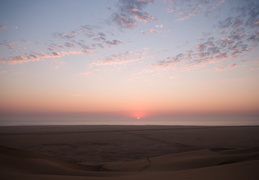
x=138, y=58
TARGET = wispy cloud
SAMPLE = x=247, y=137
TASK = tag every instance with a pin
x=130, y=12
x=121, y=58
x=222, y=68
x=87, y=73
x=84, y=40
x=36, y=57
x=2, y=72
x=211, y=50
x=2, y=27
x=9, y=45
x=234, y=36
x=185, y=15
x=95, y=39
x=172, y=60
x=188, y=8
x=159, y=26
x=149, y=31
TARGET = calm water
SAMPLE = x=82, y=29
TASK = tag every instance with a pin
x=203, y=121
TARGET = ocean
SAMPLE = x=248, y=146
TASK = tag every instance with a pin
x=179, y=121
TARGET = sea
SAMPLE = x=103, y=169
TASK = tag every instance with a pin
x=165, y=121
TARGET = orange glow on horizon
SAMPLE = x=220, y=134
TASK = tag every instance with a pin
x=138, y=115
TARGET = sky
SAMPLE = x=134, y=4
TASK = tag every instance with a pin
x=132, y=58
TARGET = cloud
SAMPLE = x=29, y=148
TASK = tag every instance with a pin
x=86, y=73
x=254, y=68
x=121, y=58
x=222, y=68
x=226, y=23
x=2, y=27
x=251, y=10
x=172, y=60
x=113, y=42
x=16, y=59
x=159, y=26
x=95, y=39
x=188, y=8
x=130, y=12
x=234, y=37
x=185, y=15
x=211, y=50
x=67, y=35
x=123, y=20
x=254, y=37
x=149, y=31
x=36, y=57
x=69, y=45
x=9, y=45
x=83, y=40
x=3, y=72
x=246, y=15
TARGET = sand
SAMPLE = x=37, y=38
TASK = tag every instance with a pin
x=129, y=152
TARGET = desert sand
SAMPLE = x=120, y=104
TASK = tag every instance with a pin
x=129, y=152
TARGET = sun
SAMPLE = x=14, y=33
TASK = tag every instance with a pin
x=138, y=115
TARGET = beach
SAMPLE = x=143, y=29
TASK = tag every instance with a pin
x=129, y=152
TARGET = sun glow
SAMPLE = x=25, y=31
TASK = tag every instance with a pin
x=138, y=115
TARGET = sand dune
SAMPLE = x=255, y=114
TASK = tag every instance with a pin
x=201, y=164
x=129, y=152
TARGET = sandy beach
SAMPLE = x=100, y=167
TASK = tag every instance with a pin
x=129, y=152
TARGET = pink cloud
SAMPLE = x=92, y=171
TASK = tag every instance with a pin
x=254, y=68
x=201, y=47
x=131, y=11
x=86, y=73
x=159, y=26
x=2, y=27
x=69, y=45
x=222, y=56
x=124, y=21
x=149, y=31
x=64, y=53
x=36, y=57
x=144, y=17
x=221, y=68
x=10, y=45
x=237, y=40
x=134, y=10
x=2, y=72
x=227, y=42
x=186, y=15
x=114, y=62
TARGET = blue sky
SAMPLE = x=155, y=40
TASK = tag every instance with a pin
x=129, y=56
